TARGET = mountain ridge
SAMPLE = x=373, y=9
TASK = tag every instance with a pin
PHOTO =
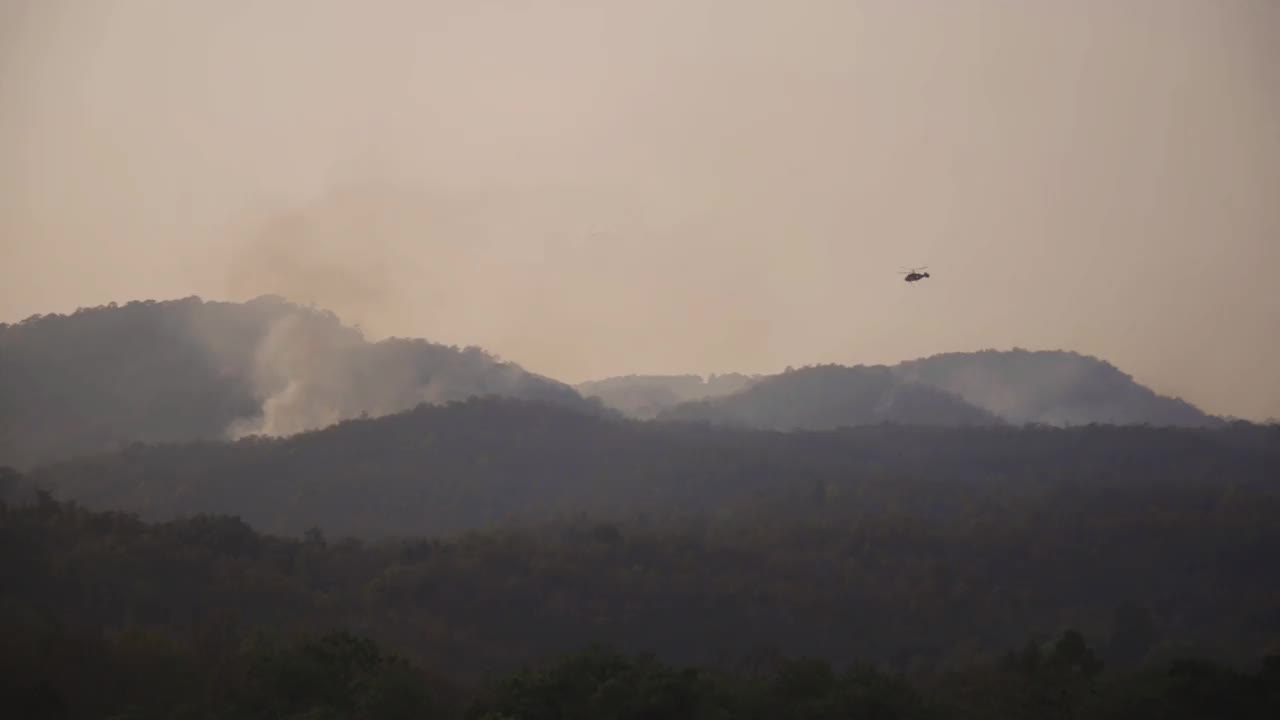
x=1055, y=387
x=826, y=397
x=488, y=461
x=188, y=369
x=1018, y=386
x=177, y=370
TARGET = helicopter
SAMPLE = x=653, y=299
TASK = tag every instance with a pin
x=914, y=274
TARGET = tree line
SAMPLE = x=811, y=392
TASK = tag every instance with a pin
x=798, y=576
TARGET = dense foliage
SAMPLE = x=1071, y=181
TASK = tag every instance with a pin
x=108, y=617
x=913, y=572
x=151, y=371
x=482, y=462
x=52, y=673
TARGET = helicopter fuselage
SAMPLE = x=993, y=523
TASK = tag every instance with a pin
x=913, y=277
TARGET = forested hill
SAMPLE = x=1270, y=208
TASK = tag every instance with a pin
x=645, y=396
x=487, y=461
x=188, y=369
x=1016, y=386
x=1146, y=568
x=831, y=396
x=147, y=371
x=1051, y=387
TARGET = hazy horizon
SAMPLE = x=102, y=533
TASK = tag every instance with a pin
x=598, y=189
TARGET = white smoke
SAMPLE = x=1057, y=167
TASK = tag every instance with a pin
x=308, y=371
x=300, y=373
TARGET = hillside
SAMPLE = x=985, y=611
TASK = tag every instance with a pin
x=187, y=369
x=482, y=463
x=1152, y=560
x=831, y=396
x=1050, y=387
x=646, y=396
x=1016, y=386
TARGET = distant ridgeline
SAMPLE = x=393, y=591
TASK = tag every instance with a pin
x=988, y=387
x=486, y=462
x=1051, y=387
x=181, y=370
x=832, y=396
x=102, y=378
x=645, y=396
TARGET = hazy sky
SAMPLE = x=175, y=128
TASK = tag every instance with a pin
x=595, y=188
